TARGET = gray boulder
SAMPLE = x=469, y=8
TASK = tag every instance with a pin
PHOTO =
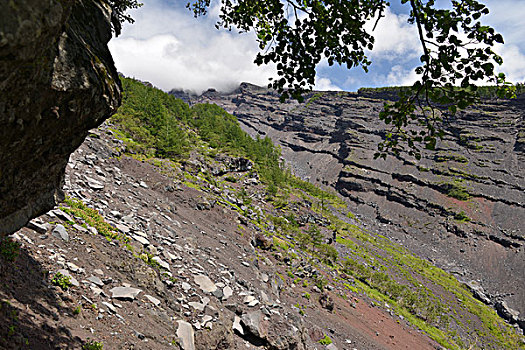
x=58, y=80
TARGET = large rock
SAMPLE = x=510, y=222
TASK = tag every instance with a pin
x=124, y=293
x=186, y=335
x=220, y=336
x=254, y=323
x=276, y=333
x=58, y=80
x=205, y=283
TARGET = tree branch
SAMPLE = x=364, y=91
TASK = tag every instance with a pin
x=420, y=29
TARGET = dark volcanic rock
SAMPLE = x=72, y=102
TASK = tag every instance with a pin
x=58, y=80
x=462, y=206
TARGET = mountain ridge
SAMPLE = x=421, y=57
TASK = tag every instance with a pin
x=331, y=140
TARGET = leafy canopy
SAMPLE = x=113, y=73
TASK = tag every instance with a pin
x=296, y=35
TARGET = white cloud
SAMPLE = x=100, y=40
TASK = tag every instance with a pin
x=513, y=62
x=171, y=49
x=325, y=84
x=401, y=76
x=506, y=16
x=395, y=39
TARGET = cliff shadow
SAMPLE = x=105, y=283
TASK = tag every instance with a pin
x=30, y=308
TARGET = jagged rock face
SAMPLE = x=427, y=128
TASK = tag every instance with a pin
x=475, y=174
x=58, y=80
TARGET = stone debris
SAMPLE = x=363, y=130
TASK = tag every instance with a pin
x=141, y=240
x=124, y=293
x=237, y=325
x=161, y=263
x=37, y=227
x=110, y=307
x=94, y=184
x=186, y=335
x=255, y=324
x=227, y=292
x=96, y=280
x=185, y=286
x=197, y=306
x=153, y=300
x=60, y=232
x=62, y=215
x=205, y=283
x=123, y=228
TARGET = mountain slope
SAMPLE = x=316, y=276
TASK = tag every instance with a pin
x=462, y=206
x=211, y=243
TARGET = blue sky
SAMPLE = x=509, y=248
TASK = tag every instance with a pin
x=170, y=48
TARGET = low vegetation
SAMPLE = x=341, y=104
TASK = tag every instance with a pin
x=92, y=345
x=325, y=341
x=456, y=190
x=92, y=218
x=62, y=281
x=9, y=249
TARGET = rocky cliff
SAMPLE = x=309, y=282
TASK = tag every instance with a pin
x=462, y=206
x=57, y=80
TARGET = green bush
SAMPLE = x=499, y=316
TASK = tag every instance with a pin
x=304, y=240
x=315, y=236
x=93, y=218
x=461, y=216
x=9, y=249
x=456, y=190
x=92, y=345
x=328, y=254
x=325, y=341
x=62, y=281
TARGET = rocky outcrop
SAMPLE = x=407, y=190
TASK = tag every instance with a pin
x=462, y=206
x=58, y=80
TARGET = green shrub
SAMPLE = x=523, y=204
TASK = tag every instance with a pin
x=304, y=240
x=456, y=190
x=461, y=216
x=62, y=281
x=325, y=341
x=92, y=345
x=320, y=281
x=9, y=249
x=93, y=218
x=315, y=235
x=230, y=178
x=328, y=254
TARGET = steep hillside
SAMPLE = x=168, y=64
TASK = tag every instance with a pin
x=462, y=206
x=180, y=231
